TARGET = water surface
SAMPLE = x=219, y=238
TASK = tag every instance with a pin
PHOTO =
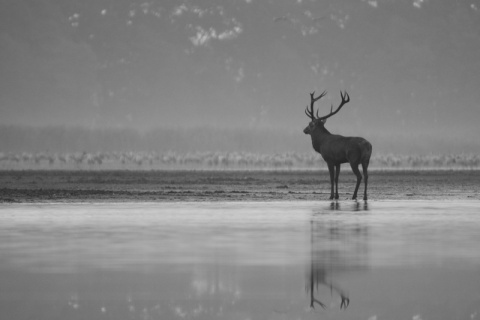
x=260, y=260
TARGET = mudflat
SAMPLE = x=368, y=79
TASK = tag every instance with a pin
x=223, y=185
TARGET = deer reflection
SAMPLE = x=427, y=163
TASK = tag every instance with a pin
x=357, y=206
x=336, y=247
x=318, y=276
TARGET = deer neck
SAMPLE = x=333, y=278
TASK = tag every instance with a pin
x=319, y=136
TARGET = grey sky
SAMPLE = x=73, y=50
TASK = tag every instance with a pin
x=410, y=66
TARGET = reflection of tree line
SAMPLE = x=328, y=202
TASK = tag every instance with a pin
x=336, y=247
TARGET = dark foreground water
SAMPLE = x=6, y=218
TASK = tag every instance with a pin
x=263, y=260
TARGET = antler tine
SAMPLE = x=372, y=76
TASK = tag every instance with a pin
x=310, y=113
x=345, y=99
x=331, y=108
x=345, y=95
x=319, y=97
x=345, y=302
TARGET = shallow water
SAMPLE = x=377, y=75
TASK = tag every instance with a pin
x=261, y=260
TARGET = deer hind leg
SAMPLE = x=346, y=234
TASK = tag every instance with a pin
x=359, y=178
x=365, y=175
x=331, y=170
x=337, y=174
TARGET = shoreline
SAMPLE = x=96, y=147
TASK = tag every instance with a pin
x=167, y=186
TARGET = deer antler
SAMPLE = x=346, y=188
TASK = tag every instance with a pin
x=345, y=99
x=345, y=302
x=312, y=304
x=310, y=113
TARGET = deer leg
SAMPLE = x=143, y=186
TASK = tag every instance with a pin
x=359, y=179
x=331, y=170
x=337, y=174
x=365, y=175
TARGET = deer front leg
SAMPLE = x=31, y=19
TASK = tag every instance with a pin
x=337, y=174
x=365, y=176
x=359, y=179
x=331, y=170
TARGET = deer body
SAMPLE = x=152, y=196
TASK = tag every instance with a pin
x=336, y=149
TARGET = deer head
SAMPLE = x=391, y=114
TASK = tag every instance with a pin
x=318, y=121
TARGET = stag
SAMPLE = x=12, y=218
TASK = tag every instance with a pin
x=336, y=149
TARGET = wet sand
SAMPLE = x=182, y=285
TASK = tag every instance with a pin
x=117, y=186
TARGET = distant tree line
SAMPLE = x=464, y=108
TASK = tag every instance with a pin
x=218, y=161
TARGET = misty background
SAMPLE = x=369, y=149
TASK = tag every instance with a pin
x=217, y=75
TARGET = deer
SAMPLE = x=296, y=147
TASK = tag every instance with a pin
x=336, y=149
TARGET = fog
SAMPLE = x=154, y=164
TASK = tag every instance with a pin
x=236, y=75
x=263, y=141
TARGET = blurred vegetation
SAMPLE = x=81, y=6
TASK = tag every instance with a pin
x=218, y=161
x=208, y=148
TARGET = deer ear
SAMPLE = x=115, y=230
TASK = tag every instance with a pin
x=323, y=121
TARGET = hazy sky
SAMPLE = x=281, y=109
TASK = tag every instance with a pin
x=410, y=66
